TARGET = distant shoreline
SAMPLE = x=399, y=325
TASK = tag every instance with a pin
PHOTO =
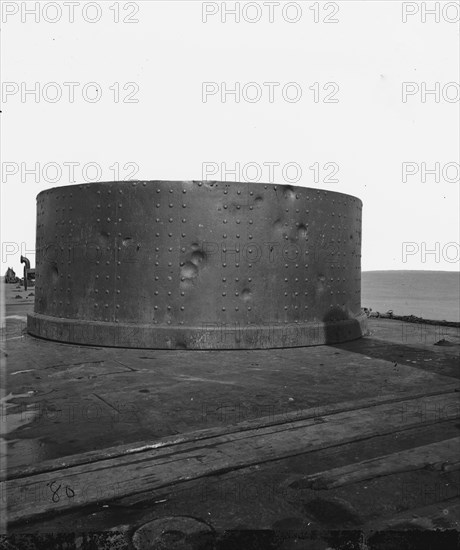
x=408, y=271
x=424, y=294
x=411, y=319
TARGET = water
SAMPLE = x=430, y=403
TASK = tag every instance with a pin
x=429, y=294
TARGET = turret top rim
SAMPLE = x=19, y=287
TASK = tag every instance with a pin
x=257, y=186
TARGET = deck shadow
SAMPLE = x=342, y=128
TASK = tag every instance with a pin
x=420, y=358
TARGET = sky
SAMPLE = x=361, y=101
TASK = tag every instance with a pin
x=360, y=97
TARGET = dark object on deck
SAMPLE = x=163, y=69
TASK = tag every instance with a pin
x=443, y=342
x=197, y=265
x=10, y=276
x=29, y=272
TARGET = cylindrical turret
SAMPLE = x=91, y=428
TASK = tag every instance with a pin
x=197, y=265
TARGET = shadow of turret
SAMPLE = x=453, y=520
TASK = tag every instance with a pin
x=339, y=326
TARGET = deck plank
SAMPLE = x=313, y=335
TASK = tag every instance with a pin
x=437, y=455
x=154, y=468
x=199, y=435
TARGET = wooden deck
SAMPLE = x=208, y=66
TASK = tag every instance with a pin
x=361, y=436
